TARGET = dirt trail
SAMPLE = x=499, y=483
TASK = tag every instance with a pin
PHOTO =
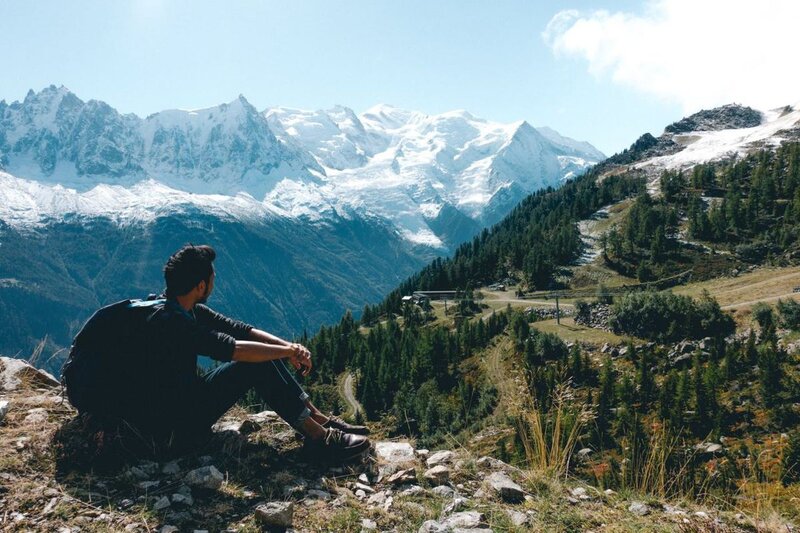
x=506, y=376
x=346, y=391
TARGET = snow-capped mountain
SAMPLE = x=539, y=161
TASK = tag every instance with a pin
x=407, y=166
x=438, y=179
x=721, y=133
x=54, y=137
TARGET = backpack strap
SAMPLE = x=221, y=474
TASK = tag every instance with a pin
x=135, y=304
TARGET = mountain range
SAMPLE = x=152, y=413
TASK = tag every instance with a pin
x=437, y=179
x=312, y=212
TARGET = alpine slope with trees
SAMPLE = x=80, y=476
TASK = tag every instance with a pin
x=685, y=399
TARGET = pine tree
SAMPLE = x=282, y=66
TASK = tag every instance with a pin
x=681, y=399
x=770, y=374
x=646, y=384
x=605, y=400
x=576, y=365
x=700, y=391
x=666, y=396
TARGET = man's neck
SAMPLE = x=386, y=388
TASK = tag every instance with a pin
x=186, y=301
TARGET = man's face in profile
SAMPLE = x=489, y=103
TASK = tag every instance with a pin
x=209, y=288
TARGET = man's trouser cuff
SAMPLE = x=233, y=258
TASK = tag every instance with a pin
x=305, y=414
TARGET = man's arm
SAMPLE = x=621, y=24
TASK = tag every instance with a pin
x=263, y=346
x=267, y=338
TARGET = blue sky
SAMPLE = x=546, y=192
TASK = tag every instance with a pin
x=487, y=57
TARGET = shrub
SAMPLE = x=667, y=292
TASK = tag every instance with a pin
x=789, y=311
x=666, y=317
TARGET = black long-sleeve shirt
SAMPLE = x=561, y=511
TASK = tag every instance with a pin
x=176, y=338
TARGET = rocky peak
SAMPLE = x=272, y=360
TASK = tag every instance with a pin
x=730, y=116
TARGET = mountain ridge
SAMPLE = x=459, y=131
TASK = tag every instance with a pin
x=53, y=137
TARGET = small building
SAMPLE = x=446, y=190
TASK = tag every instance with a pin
x=436, y=295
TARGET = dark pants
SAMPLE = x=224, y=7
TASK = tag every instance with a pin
x=225, y=385
x=188, y=423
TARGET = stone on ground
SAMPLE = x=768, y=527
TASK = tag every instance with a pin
x=276, y=514
x=639, y=508
x=438, y=474
x=505, y=487
x=394, y=452
x=206, y=477
x=441, y=457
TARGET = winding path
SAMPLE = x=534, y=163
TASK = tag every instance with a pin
x=347, y=393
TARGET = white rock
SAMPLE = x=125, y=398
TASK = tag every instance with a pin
x=182, y=499
x=264, y=416
x=3, y=409
x=394, y=452
x=13, y=371
x=368, y=524
x=580, y=493
x=517, y=518
x=379, y=498
x=318, y=495
x=205, y=477
x=639, y=508
x=465, y=519
x=443, y=491
x=505, y=487
x=365, y=488
x=438, y=474
x=171, y=468
x=276, y=514
x=168, y=529
x=441, y=457
x=413, y=490
x=162, y=503
x=457, y=504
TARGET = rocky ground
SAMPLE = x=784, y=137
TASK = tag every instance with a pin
x=253, y=477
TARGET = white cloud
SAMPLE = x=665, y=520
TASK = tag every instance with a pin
x=699, y=53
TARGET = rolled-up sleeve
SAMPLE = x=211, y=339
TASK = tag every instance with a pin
x=208, y=318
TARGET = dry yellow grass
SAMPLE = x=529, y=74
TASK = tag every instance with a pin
x=569, y=331
x=764, y=284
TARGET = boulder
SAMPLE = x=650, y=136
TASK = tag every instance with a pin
x=394, y=452
x=14, y=371
x=276, y=514
x=3, y=410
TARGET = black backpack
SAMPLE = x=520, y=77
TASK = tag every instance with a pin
x=104, y=367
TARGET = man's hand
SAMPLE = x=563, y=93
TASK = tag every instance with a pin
x=301, y=358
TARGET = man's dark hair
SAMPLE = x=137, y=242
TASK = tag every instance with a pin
x=187, y=267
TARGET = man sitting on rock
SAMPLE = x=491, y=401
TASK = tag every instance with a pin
x=179, y=405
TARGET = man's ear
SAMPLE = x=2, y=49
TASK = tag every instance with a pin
x=201, y=287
